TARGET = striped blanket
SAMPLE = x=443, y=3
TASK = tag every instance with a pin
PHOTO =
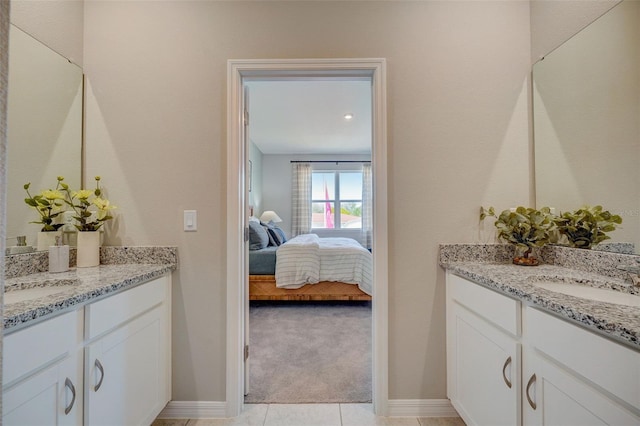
x=309, y=259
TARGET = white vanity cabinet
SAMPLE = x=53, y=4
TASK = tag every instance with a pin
x=107, y=363
x=575, y=377
x=127, y=362
x=560, y=373
x=483, y=354
x=42, y=373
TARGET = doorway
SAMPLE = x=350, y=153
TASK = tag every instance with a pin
x=237, y=206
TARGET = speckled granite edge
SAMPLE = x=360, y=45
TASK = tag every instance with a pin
x=619, y=322
x=598, y=262
x=595, y=261
x=18, y=265
x=93, y=284
x=117, y=255
x=481, y=253
x=490, y=265
x=622, y=248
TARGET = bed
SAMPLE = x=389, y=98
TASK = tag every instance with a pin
x=311, y=268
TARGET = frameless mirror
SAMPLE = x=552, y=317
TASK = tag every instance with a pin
x=586, y=106
x=44, y=125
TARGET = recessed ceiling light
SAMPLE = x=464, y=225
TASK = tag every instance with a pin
x=348, y=116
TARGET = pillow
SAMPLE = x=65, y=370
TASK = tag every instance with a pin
x=258, y=236
x=280, y=232
x=274, y=237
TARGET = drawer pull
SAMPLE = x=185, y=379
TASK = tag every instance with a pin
x=504, y=370
x=99, y=366
x=532, y=380
x=68, y=383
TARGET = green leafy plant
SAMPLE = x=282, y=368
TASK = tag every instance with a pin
x=523, y=227
x=587, y=226
x=81, y=201
x=48, y=204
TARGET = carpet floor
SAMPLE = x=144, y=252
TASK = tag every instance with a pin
x=310, y=352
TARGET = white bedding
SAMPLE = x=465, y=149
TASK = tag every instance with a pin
x=309, y=259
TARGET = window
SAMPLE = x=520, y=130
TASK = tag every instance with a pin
x=336, y=199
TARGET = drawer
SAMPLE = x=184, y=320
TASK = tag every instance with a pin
x=31, y=349
x=610, y=365
x=491, y=305
x=109, y=313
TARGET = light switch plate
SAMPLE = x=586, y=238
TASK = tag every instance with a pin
x=190, y=220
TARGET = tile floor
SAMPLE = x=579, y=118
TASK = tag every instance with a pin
x=312, y=415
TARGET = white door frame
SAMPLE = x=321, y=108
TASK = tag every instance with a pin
x=237, y=70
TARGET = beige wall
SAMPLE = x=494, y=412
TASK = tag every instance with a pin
x=56, y=23
x=458, y=138
x=555, y=21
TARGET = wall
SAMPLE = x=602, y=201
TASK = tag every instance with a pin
x=458, y=138
x=555, y=21
x=255, y=196
x=56, y=23
x=277, y=185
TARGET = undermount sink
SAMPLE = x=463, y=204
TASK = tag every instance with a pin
x=577, y=288
x=32, y=291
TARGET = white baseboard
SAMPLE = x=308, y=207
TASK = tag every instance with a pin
x=397, y=408
x=194, y=410
x=421, y=408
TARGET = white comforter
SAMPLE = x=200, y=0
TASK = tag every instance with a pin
x=309, y=259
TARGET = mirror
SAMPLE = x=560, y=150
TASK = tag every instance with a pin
x=586, y=112
x=44, y=124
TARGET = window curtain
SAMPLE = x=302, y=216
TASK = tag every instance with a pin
x=367, y=206
x=301, y=198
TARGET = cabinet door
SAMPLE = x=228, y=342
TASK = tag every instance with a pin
x=50, y=397
x=484, y=365
x=554, y=396
x=126, y=373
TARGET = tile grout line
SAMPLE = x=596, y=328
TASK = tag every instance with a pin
x=266, y=413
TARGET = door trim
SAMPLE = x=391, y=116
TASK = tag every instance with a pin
x=272, y=68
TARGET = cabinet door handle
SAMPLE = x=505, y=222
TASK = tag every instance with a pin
x=99, y=366
x=531, y=381
x=504, y=375
x=68, y=383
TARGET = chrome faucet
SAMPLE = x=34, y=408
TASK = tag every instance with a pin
x=634, y=273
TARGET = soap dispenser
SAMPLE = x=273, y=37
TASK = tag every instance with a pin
x=21, y=247
x=59, y=257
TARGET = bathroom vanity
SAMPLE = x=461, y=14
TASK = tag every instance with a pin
x=520, y=353
x=90, y=346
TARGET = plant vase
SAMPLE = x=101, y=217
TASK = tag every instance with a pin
x=47, y=239
x=88, y=253
x=524, y=257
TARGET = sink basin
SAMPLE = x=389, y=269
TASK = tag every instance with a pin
x=35, y=290
x=591, y=293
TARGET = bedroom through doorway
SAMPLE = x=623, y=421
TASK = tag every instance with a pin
x=309, y=150
x=239, y=171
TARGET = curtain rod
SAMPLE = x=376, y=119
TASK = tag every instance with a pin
x=330, y=161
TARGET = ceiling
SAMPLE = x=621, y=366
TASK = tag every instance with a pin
x=307, y=116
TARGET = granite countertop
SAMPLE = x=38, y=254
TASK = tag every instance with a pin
x=619, y=322
x=79, y=286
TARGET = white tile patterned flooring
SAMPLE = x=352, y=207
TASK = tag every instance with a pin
x=312, y=415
